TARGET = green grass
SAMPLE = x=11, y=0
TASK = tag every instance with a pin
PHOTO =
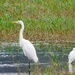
x=42, y=18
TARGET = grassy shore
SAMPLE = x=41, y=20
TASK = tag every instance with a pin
x=48, y=20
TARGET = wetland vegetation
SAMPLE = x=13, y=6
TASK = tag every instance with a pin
x=50, y=21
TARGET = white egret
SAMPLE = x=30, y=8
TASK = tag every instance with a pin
x=71, y=58
x=28, y=49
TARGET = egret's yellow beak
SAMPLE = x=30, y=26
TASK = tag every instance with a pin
x=14, y=22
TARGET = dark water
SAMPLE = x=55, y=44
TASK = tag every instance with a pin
x=13, y=60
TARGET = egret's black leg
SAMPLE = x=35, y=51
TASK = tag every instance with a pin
x=29, y=67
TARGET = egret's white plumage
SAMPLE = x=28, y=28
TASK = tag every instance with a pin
x=71, y=58
x=26, y=45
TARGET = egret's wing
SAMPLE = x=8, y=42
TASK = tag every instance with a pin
x=29, y=50
x=71, y=56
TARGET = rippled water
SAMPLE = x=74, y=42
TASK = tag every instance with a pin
x=11, y=56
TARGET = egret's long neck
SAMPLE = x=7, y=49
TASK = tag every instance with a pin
x=21, y=32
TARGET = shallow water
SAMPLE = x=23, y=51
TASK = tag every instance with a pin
x=11, y=56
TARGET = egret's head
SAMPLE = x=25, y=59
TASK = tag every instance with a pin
x=18, y=22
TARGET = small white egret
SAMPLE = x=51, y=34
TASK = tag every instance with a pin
x=71, y=58
x=28, y=49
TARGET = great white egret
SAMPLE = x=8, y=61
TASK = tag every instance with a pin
x=71, y=58
x=28, y=48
